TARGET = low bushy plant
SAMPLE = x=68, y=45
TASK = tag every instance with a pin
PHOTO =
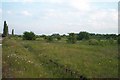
x=118, y=39
x=71, y=38
x=49, y=38
x=93, y=42
x=29, y=36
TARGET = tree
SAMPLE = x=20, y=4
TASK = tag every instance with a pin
x=49, y=38
x=83, y=35
x=71, y=38
x=63, y=35
x=29, y=36
x=57, y=36
x=5, y=29
x=12, y=31
x=44, y=36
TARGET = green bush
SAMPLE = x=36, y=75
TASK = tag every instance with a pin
x=111, y=41
x=49, y=38
x=119, y=39
x=71, y=38
x=93, y=42
x=29, y=36
x=83, y=35
x=56, y=36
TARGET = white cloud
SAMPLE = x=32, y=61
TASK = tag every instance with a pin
x=26, y=13
x=9, y=12
x=104, y=0
x=0, y=10
x=52, y=1
x=55, y=13
x=103, y=20
x=102, y=15
x=114, y=14
x=0, y=14
x=28, y=0
x=82, y=5
x=52, y=13
x=57, y=1
x=75, y=18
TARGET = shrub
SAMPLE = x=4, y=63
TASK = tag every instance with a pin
x=93, y=42
x=83, y=35
x=49, y=38
x=29, y=36
x=71, y=38
x=43, y=36
x=111, y=41
x=56, y=36
x=118, y=39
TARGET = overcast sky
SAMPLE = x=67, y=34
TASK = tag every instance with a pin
x=60, y=16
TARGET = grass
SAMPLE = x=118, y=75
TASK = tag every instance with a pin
x=0, y=41
x=0, y=61
x=32, y=59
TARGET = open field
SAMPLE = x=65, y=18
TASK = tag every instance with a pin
x=0, y=61
x=0, y=41
x=40, y=59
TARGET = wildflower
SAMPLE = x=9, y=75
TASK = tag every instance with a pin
x=16, y=60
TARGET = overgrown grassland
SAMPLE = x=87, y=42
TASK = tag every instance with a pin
x=32, y=59
x=0, y=61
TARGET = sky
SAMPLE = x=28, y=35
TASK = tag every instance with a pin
x=60, y=16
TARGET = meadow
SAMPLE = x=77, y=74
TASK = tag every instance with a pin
x=58, y=59
x=0, y=61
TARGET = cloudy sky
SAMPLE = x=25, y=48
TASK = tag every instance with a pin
x=60, y=16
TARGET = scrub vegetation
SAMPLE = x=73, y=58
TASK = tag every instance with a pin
x=76, y=55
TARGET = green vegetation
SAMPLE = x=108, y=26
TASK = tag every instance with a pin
x=12, y=31
x=56, y=36
x=40, y=56
x=29, y=36
x=83, y=35
x=33, y=59
x=93, y=42
x=49, y=39
x=119, y=39
x=71, y=38
x=5, y=29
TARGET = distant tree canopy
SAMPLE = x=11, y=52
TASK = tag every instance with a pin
x=29, y=36
x=49, y=38
x=5, y=29
x=103, y=36
x=63, y=35
x=44, y=36
x=83, y=35
x=57, y=36
x=72, y=38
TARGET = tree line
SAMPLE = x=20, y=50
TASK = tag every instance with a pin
x=71, y=37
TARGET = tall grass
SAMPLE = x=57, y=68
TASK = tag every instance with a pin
x=32, y=59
